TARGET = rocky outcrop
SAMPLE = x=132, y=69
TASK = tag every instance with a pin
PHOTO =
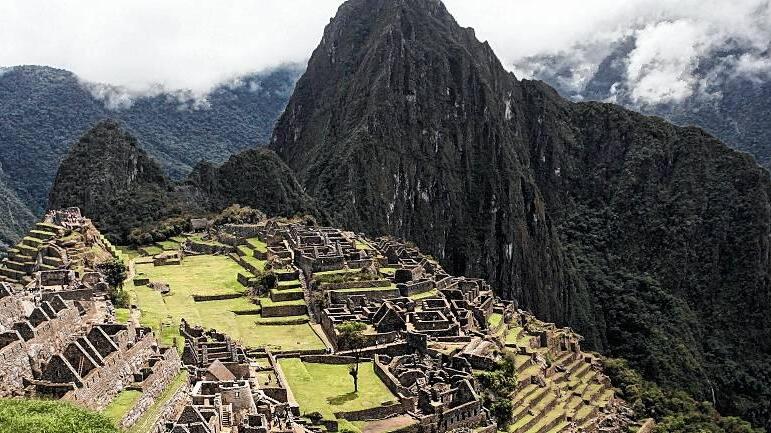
x=650, y=239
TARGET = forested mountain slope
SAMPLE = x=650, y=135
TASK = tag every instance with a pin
x=650, y=239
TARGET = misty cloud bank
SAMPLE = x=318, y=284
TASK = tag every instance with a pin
x=664, y=50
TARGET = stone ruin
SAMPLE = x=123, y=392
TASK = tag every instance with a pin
x=231, y=390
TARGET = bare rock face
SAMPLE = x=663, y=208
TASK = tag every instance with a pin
x=650, y=239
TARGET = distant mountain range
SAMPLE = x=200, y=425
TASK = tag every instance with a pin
x=734, y=107
x=43, y=111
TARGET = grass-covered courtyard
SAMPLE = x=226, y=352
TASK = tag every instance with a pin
x=327, y=388
x=212, y=275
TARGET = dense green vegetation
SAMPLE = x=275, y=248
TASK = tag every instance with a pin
x=45, y=110
x=37, y=416
x=673, y=411
x=15, y=216
x=132, y=201
x=498, y=386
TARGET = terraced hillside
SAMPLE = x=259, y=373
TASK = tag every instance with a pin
x=49, y=246
x=284, y=287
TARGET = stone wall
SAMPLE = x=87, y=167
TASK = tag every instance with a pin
x=356, y=284
x=14, y=368
x=11, y=311
x=389, y=380
x=53, y=336
x=284, y=310
x=243, y=231
x=336, y=297
x=171, y=410
x=102, y=384
x=84, y=294
x=379, y=412
x=222, y=297
x=164, y=372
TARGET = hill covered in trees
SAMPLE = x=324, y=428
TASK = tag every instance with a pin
x=44, y=110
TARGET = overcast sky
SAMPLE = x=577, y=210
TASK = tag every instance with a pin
x=197, y=44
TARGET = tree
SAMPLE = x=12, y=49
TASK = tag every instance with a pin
x=351, y=337
x=115, y=273
x=498, y=385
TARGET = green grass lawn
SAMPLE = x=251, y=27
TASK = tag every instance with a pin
x=152, y=250
x=121, y=404
x=168, y=245
x=258, y=245
x=200, y=240
x=147, y=421
x=328, y=388
x=257, y=263
x=201, y=275
x=24, y=415
x=360, y=245
x=425, y=295
x=211, y=275
x=129, y=253
x=494, y=320
x=122, y=315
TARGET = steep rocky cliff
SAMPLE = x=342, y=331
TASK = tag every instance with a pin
x=651, y=239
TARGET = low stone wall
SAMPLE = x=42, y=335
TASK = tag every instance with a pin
x=222, y=297
x=287, y=276
x=286, y=295
x=356, y=285
x=205, y=248
x=243, y=231
x=246, y=280
x=389, y=380
x=284, y=310
x=337, y=297
x=417, y=287
x=332, y=359
x=374, y=413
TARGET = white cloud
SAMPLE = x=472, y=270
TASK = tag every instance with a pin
x=142, y=45
x=175, y=44
x=673, y=38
